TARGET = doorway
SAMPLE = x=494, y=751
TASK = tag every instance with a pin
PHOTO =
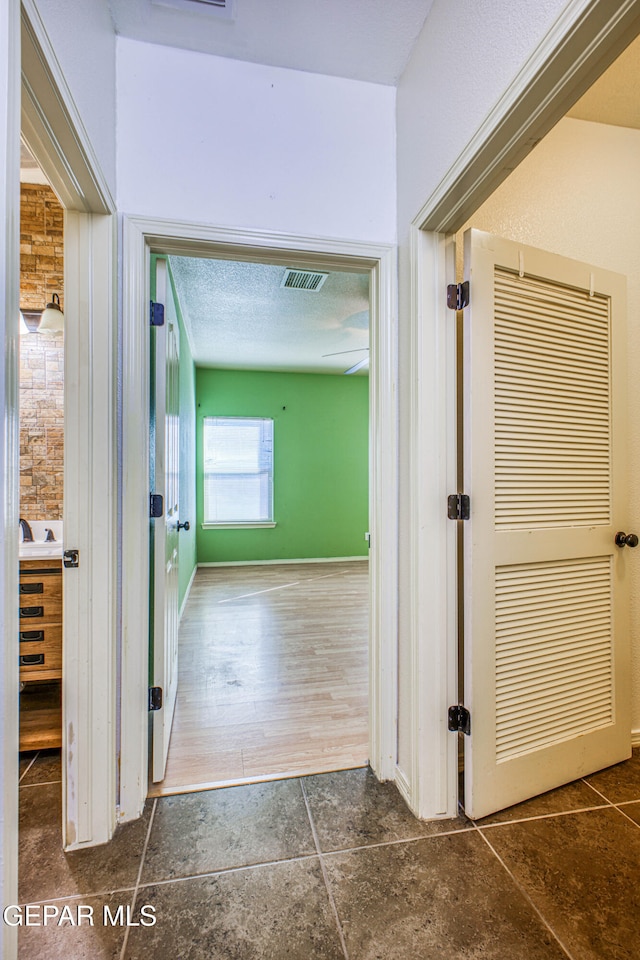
x=41, y=464
x=274, y=633
x=142, y=239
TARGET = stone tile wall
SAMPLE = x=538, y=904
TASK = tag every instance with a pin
x=41, y=357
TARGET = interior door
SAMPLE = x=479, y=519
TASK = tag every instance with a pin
x=166, y=408
x=547, y=653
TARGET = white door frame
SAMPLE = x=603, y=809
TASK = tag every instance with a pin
x=582, y=43
x=9, y=449
x=141, y=237
x=54, y=132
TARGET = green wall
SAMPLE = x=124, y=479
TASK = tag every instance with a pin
x=320, y=477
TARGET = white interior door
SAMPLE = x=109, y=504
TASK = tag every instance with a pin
x=546, y=607
x=166, y=459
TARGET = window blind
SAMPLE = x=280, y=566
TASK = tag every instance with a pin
x=238, y=470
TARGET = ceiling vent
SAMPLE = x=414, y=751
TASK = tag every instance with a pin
x=223, y=8
x=303, y=279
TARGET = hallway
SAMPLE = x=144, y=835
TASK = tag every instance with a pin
x=334, y=866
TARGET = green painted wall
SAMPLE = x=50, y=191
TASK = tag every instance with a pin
x=320, y=477
x=187, y=501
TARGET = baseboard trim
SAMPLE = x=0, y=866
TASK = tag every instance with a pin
x=187, y=592
x=402, y=783
x=635, y=738
x=261, y=563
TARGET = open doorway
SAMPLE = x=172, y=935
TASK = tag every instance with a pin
x=41, y=464
x=274, y=585
x=144, y=239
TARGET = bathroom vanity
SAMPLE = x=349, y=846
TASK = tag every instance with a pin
x=40, y=645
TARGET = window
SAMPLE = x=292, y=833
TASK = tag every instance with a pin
x=238, y=470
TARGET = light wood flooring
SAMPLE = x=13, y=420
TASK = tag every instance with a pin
x=273, y=675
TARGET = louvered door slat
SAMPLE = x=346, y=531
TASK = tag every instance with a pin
x=546, y=651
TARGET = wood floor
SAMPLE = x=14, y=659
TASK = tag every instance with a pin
x=273, y=675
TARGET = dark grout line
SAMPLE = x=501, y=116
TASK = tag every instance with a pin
x=325, y=875
x=33, y=760
x=526, y=895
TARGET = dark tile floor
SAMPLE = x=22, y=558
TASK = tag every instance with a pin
x=335, y=866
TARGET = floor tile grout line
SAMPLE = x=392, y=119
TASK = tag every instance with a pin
x=43, y=783
x=545, y=816
x=626, y=815
x=600, y=794
x=526, y=895
x=33, y=760
x=325, y=874
x=75, y=896
x=394, y=843
x=224, y=870
x=139, y=877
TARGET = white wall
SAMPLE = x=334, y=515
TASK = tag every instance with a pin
x=84, y=41
x=578, y=194
x=466, y=56
x=236, y=144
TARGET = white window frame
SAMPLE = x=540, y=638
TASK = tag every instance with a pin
x=209, y=524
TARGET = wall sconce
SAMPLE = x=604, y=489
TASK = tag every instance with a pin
x=52, y=319
x=23, y=328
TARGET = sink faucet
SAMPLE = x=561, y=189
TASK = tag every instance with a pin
x=27, y=533
x=49, y=535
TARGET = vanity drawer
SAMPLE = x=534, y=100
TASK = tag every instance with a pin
x=39, y=586
x=39, y=609
x=40, y=651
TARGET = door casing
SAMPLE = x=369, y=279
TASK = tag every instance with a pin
x=582, y=43
x=141, y=238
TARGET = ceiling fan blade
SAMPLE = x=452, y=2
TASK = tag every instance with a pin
x=340, y=352
x=357, y=366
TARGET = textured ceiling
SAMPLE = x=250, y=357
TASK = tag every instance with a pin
x=358, y=39
x=615, y=97
x=238, y=317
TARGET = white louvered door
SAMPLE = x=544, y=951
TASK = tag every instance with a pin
x=547, y=657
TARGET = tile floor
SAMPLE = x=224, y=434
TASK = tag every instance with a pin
x=335, y=866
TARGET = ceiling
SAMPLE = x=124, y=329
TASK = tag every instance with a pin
x=358, y=39
x=615, y=97
x=238, y=316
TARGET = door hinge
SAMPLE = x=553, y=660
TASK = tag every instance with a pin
x=155, y=698
x=458, y=506
x=156, y=314
x=458, y=295
x=459, y=719
x=156, y=506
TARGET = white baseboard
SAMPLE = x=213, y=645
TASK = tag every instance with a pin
x=260, y=563
x=402, y=783
x=187, y=592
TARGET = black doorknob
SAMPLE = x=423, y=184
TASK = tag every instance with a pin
x=626, y=539
x=186, y=525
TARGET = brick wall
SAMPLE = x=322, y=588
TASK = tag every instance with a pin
x=41, y=357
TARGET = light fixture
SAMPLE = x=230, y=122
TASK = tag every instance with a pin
x=52, y=319
x=23, y=325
